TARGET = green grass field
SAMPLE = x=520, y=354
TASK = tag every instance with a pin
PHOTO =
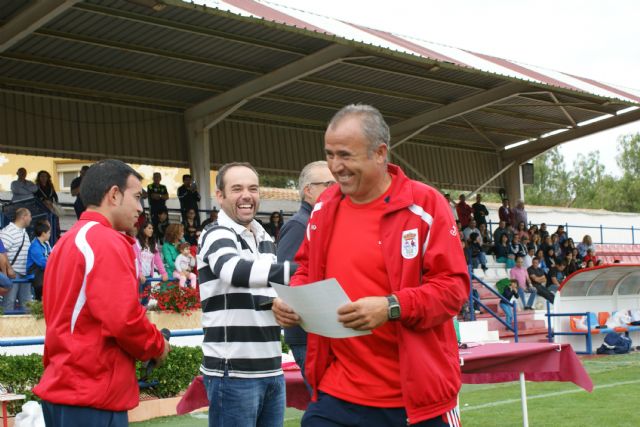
x=617, y=386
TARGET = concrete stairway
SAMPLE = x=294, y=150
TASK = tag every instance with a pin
x=531, y=323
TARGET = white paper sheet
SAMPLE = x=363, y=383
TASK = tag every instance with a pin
x=317, y=305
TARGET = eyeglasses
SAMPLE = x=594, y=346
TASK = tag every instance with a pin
x=325, y=183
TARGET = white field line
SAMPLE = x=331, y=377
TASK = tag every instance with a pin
x=540, y=396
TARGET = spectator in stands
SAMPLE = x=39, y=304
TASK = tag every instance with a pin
x=541, y=261
x=213, y=217
x=550, y=258
x=534, y=242
x=158, y=195
x=565, y=248
x=590, y=256
x=464, y=211
x=572, y=265
x=587, y=243
x=16, y=241
x=22, y=188
x=533, y=230
x=172, y=238
x=537, y=275
x=519, y=213
x=520, y=274
x=556, y=276
x=191, y=227
x=555, y=243
x=546, y=244
x=499, y=231
x=46, y=193
x=504, y=212
x=528, y=258
x=274, y=225
x=543, y=232
x=521, y=230
x=510, y=293
x=188, y=196
x=452, y=204
x=476, y=256
x=485, y=237
x=37, y=256
x=503, y=251
x=148, y=253
x=160, y=227
x=576, y=256
x=184, y=265
x=517, y=248
x=562, y=236
x=78, y=206
x=590, y=264
x=6, y=272
x=480, y=212
x=472, y=229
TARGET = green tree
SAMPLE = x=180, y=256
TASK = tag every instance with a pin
x=586, y=180
x=629, y=154
x=550, y=181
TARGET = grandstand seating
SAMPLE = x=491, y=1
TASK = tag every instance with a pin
x=626, y=254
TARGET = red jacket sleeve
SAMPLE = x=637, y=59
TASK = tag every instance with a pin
x=112, y=297
x=301, y=277
x=445, y=279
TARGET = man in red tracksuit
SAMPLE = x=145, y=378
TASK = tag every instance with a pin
x=393, y=245
x=96, y=328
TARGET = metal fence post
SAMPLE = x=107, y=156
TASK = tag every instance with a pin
x=601, y=235
x=633, y=236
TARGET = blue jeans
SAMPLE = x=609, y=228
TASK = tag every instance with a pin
x=300, y=355
x=56, y=415
x=22, y=291
x=508, y=311
x=481, y=259
x=532, y=297
x=245, y=402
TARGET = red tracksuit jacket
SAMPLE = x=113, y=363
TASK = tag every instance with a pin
x=96, y=328
x=431, y=284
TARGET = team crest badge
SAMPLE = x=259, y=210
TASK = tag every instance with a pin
x=410, y=243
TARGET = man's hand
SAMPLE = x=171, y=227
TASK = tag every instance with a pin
x=165, y=277
x=285, y=316
x=165, y=353
x=364, y=314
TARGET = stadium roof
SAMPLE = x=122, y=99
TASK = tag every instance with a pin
x=143, y=79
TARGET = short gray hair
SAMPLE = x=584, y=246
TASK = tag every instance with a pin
x=374, y=128
x=305, y=175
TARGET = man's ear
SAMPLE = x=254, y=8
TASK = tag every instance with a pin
x=112, y=196
x=219, y=196
x=381, y=151
x=307, y=192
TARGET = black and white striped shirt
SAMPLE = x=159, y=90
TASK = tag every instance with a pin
x=235, y=266
x=15, y=238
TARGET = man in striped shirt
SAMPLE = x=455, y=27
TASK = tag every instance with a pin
x=242, y=353
x=16, y=241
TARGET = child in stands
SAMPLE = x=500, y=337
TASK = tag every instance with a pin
x=510, y=293
x=185, y=262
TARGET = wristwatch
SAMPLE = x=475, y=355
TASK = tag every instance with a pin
x=394, y=307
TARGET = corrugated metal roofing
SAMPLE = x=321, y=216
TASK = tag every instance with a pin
x=113, y=55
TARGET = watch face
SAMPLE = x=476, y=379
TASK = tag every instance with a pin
x=394, y=312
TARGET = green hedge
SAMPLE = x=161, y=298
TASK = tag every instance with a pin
x=21, y=373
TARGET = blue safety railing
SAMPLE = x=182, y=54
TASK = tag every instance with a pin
x=600, y=229
x=587, y=334
x=473, y=300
